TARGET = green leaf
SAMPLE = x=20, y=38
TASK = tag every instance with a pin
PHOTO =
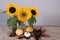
x=12, y=21
x=32, y=21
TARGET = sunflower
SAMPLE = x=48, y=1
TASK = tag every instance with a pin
x=24, y=14
x=34, y=11
x=11, y=9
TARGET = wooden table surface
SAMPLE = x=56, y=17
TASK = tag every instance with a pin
x=54, y=32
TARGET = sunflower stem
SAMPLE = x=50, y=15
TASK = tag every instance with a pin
x=22, y=24
x=14, y=27
x=31, y=25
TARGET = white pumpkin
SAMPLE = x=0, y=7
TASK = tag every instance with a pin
x=27, y=34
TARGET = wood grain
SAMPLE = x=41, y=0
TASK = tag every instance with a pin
x=54, y=32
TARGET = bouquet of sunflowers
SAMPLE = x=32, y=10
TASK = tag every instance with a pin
x=18, y=17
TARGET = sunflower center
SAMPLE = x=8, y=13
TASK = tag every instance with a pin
x=33, y=12
x=23, y=14
x=12, y=10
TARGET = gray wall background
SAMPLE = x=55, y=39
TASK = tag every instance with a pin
x=49, y=10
